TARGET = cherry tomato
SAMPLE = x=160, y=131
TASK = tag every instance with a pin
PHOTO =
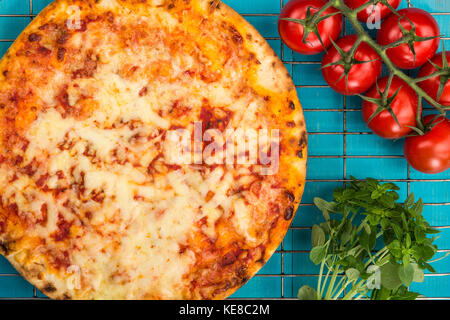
x=361, y=76
x=431, y=86
x=369, y=12
x=430, y=153
x=425, y=26
x=292, y=33
x=404, y=107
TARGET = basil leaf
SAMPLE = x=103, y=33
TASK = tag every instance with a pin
x=317, y=254
x=325, y=207
x=419, y=275
x=352, y=274
x=409, y=201
x=389, y=276
x=406, y=274
x=307, y=293
x=317, y=236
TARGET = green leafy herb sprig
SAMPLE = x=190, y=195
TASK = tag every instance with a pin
x=370, y=246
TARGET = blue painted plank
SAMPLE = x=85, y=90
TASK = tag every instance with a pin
x=320, y=98
x=443, y=240
x=15, y=287
x=354, y=102
x=11, y=27
x=325, y=145
x=378, y=168
x=298, y=239
x=249, y=7
x=299, y=263
x=414, y=174
x=325, y=168
x=319, y=189
x=6, y=267
x=442, y=264
x=430, y=5
x=324, y=121
x=40, y=294
x=260, y=287
x=297, y=282
x=38, y=5
x=444, y=26
x=437, y=215
x=276, y=46
x=14, y=7
x=355, y=122
x=317, y=58
x=4, y=46
x=432, y=191
x=307, y=75
x=372, y=145
x=273, y=266
x=266, y=25
x=433, y=286
x=306, y=216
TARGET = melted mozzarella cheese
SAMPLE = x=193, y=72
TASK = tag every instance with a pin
x=152, y=218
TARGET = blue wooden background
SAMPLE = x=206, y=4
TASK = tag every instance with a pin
x=340, y=145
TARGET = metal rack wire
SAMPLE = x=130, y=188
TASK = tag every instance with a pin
x=345, y=156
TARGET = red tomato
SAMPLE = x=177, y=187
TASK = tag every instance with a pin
x=369, y=12
x=292, y=33
x=404, y=107
x=360, y=76
x=426, y=26
x=431, y=86
x=430, y=153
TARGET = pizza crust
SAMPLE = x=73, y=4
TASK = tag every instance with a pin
x=269, y=78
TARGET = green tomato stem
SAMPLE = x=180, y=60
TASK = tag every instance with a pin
x=322, y=10
x=434, y=74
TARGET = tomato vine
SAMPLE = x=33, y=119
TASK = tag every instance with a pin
x=352, y=16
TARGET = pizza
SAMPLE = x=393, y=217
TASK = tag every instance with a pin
x=124, y=171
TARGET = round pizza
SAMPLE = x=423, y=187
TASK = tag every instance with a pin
x=150, y=149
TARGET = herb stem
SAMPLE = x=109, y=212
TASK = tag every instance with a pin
x=338, y=285
x=331, y=285
x=329, y=268
x=355, y=290
x=322, y=265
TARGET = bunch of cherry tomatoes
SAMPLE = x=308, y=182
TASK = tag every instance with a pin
x=352, y=67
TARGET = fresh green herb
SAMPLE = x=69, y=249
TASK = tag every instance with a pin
x=370, y=246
